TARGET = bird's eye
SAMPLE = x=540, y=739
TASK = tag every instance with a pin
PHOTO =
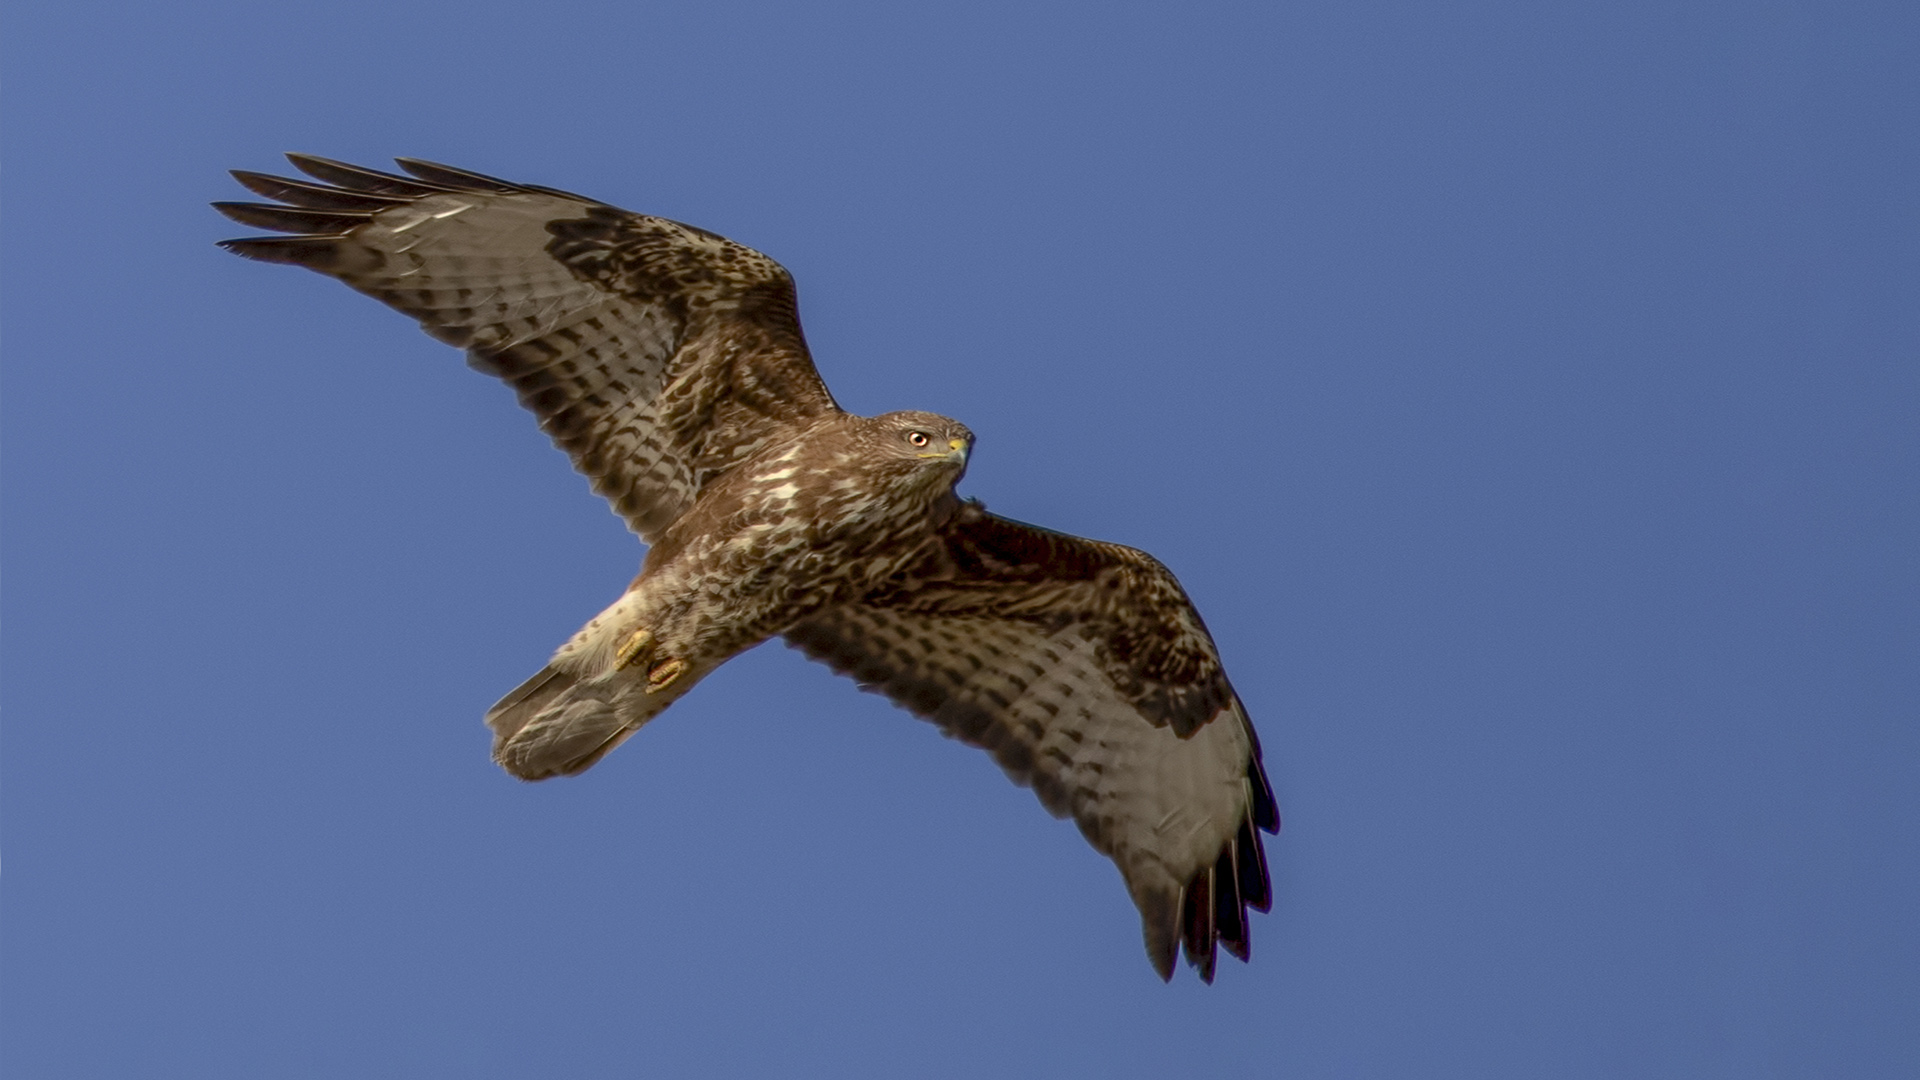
x=918, y=438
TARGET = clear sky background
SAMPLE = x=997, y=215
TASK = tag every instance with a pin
x=1528, y=394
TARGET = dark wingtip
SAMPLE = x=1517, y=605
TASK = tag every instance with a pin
x=1197, y=927
x=1256, y=888
x=357, y=178
x=1213, y=908
x=1229, y=909
x=295, y=250
x=435, y=173
x=1266, y=811
x=312, y=196
x=292, y=219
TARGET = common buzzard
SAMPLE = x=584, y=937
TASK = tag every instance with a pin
x=669, y=364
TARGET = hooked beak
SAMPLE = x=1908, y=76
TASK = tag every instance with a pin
x=956, y=452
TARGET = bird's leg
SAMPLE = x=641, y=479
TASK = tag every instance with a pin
x=637, y=647
x=630, y=634
x=662, y=674
x=640, y=648
x=654, y=628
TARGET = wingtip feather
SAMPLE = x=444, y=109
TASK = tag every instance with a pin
x=1198, y=930
x=1256, y=887
x=359, y=178
x=435, y=173
x=1229, y=909
x=1266, y=810
x=292, y=219
x=312, y=196
x=309, y=251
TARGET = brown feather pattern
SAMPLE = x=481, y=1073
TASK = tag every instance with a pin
x=655, y=354
x=1083, y=669
x=669, y=364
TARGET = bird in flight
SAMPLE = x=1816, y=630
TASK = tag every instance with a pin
x=668, y=363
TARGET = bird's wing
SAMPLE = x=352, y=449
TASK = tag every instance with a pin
x=655, y=354
x=1084, y=670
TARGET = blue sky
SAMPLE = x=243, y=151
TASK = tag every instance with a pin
x=1526, y=393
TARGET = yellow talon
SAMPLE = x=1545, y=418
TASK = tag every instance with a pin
x=638, y=644
x=663, y=674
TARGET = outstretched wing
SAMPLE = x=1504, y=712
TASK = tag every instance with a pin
x=654, y=353
x=1084, y=670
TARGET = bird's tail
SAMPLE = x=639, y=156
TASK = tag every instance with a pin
x=558, y=723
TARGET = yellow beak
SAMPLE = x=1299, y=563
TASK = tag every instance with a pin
x=957, y=451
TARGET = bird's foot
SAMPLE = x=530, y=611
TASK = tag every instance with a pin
x=662, y=674
x=637, y=647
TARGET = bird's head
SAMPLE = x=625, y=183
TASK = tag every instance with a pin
x=926, y=446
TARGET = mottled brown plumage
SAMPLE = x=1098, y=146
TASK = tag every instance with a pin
x=669, y=364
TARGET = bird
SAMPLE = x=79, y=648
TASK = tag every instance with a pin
x=668, y=363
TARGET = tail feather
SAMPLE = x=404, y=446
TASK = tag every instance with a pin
x=524, y=702
x=556, y=724
x=559, y=722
